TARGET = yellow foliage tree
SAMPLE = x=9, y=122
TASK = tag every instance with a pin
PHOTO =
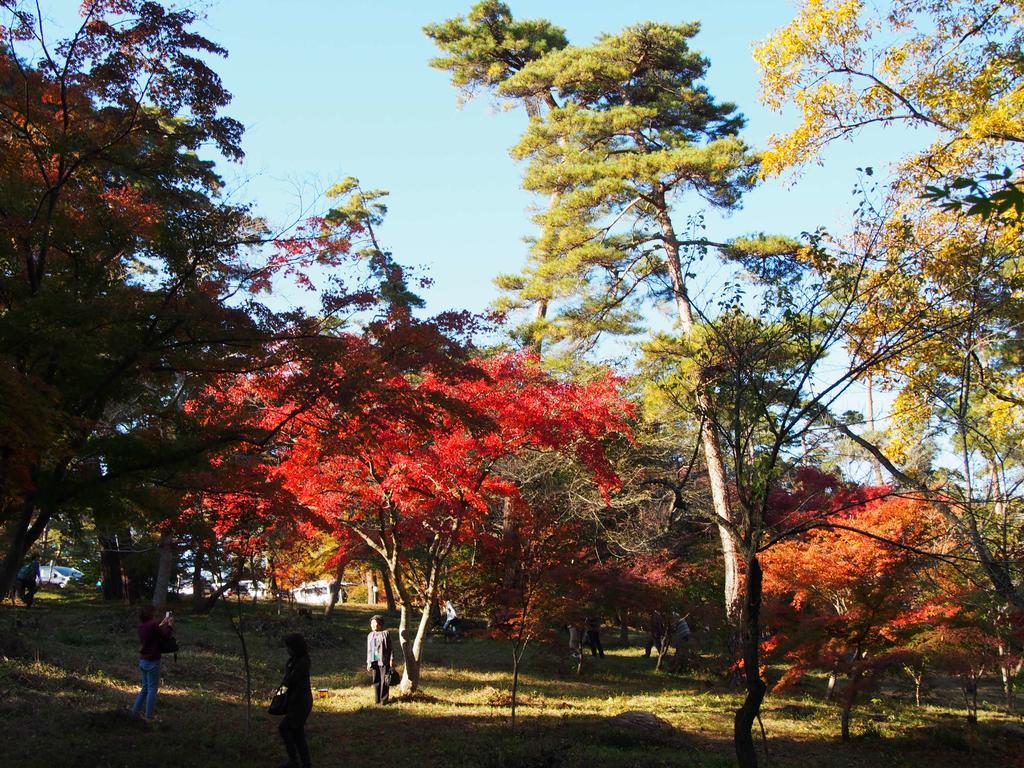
x=951, y=67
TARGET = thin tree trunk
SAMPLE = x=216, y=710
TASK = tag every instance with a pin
x=539, y=315
x=875, y=463
x=389, y=593
x=126, y=545
x=712, y=449
x=197, y=573
x=370, y=584
x=844, y=720
x=517, y=655
x=335, y=590
x=239, y=630
x=996, y=569
x=1008, y=671
x=165, y=565
x=412, y=649
x=969, y=685
x=232, y=581
x=747, y=714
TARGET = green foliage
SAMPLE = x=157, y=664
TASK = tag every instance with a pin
x=362, y=210
x=993, y=196
x=636, y=130
x=488, y=45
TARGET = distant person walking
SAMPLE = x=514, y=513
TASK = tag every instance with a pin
x=378, y=659
x=681, y=634
x=299, y=702
x=655, y=633
x=593, y=636
x=151, y=635
x=27, y=581
x=451, y=620
x=575, y=647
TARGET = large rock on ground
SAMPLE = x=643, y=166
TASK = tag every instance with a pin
x=642, y=724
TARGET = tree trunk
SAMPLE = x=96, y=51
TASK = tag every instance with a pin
x=197, y=573
x=389, y=593
x=875, y=463
x=132, y=590
x=831, y=689
x=747, y=714
x=517, y=654
x=1008, y=670
x=412, y=649
x=231, y=581
x=335, y=588
x=371, y=598
x=165, y=566
x=709, y=440
x=17, y=543
x=969, y=685
x=239, y=629
x=844, y=720
x=110, y=567
x=996, y=569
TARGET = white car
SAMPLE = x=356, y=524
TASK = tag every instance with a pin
x=58, y=575
x=318, y=592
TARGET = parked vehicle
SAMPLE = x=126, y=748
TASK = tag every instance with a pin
x=58, y=575
x=319, y=592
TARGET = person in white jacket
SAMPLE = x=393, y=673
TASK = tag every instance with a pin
x=451, y=620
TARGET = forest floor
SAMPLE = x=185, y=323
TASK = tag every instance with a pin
x=68, y=676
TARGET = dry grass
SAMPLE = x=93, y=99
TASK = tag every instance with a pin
x=68, y=676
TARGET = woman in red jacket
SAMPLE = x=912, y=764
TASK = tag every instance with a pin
x=151, y=634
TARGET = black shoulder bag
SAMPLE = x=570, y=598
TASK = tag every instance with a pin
x=279, y=704
x=169, y=644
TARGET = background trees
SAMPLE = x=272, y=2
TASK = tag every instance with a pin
x=954, y=70
x=123, y=274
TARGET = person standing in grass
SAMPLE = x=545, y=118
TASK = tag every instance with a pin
x=593, y=636
x=27, y=580
x=451, y=621
x=378, y=659
x=299, y=702
x=151, y=634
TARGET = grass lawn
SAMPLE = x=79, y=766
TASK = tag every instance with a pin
x=68, y=675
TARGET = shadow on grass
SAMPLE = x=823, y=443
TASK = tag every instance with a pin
x=69, y=710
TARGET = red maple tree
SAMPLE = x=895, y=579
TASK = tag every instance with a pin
x=413, y=467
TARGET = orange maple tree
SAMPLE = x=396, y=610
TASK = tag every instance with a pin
x=839, y=598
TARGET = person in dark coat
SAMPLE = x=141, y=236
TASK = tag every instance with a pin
x=151, y=634
x=655, y=633
x=27, y=580
x=593, y=636
x=299, y=702
x=379, y=658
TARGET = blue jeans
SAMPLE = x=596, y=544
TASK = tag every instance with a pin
x=150, y=684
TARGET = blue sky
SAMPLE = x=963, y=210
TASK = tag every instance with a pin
x=331, y=89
